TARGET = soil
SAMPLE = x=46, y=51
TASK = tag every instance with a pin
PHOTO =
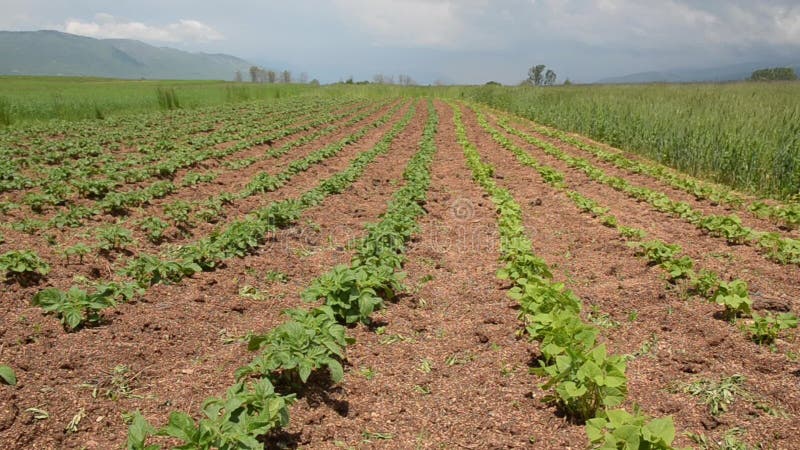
x=443, y=366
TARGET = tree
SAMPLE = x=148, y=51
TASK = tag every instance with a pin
x=535, y=74
x=567, y=82
x=774, y=74
x=303, y=78
x=254, y=73
x=286, y=77
x=405, y=80
x=314, y=82
x=238, y=76
x=378, y=78
x=549, y=78
x=271, y=76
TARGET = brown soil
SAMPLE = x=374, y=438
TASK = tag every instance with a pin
x=705, y=206
x=177, y=340
x=191, y=193
x=691, y=343
x=443, y=366
x=96, y=266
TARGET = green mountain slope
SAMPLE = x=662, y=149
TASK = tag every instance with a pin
x=56, y=53
x=735, y=72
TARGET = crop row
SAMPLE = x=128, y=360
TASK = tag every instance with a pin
x=311, y=340
x=786, y=214
x=586, y=381
x=146, y=129
x=119, y=203
x=237, y=239
x=777, y=248
x=741, y=134
x=733, y=295
x=23, y=266
x=84, y=159
x=58, y=189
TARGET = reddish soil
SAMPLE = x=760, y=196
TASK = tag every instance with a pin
x=441, y=367
x=705, y=206
x=692, y=343
x=95, y=265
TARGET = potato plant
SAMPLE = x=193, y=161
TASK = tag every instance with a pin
x=584, y=378
x=22, y=265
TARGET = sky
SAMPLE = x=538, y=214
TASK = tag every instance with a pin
x=466, y=41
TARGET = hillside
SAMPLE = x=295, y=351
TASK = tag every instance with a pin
x=735, y=72
x=56, y=53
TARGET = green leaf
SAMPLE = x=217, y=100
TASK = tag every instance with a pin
x=618, y=417
x=138, y=432
x=8, y=376
x=659, y=431
x=180, y=426
x=629, y=435
x=72, y=318
x=304, y=370
x=336, y=370
x=594, y=429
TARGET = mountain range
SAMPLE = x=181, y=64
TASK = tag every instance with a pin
x=55, y=53
x=736, y=72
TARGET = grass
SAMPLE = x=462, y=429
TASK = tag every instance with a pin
x=745, y=135
x=26, y=99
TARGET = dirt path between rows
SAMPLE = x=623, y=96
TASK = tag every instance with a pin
x=181, y=339
x=705, y=206
x=678, y=341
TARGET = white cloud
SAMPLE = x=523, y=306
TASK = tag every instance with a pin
x=107, y=26
x=667, y=23
x=408, y=23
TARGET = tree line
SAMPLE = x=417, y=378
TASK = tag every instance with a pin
x=774, y=74
x=261, y=75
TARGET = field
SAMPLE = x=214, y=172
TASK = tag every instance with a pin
x=364, y=269
x=32, y=99
x=746, y=135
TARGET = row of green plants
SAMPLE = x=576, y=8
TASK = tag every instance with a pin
x=733, y=295
x=785, y=214
x=109, y=200
x=209, y=210
x=587, y=383
x=93, y=139
x=153, y=227
x=744, y=135
x=244, y=236
x=48, y=160
x=311, y=341
x=212, y=209
x=783, y=250
x=116, y=237
x=358, y=114
x=57, y=191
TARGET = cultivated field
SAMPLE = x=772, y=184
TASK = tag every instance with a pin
x=339, y=271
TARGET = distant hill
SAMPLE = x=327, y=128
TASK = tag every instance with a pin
x=723, y=73
x=56, y=53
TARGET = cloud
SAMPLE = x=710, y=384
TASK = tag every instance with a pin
x=107, y=26
x=439, y=24
x=669, y=23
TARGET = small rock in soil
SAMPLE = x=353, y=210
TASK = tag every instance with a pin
x=8, y=415
x=710, y=423
x=772, y=304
